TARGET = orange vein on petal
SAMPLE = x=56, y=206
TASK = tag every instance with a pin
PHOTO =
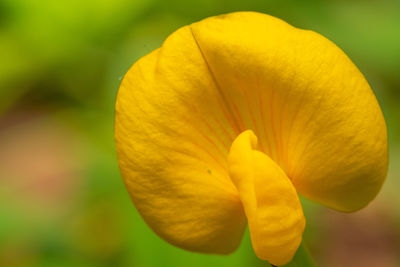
x=222, y=166
x=230, y=137
x=263, y=120
x=229, y=119
x=210, y=141
x=274, y=157
x=283, y=150
x=222, y=95
x=211, y=129
x=251, y=114
x=242, y=125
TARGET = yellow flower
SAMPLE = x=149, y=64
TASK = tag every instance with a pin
x=234, y=115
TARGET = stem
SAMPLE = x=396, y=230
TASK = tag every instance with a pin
x=302, y=258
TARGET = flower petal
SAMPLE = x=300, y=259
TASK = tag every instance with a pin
x=180, y=108
x=172, y=138
x=312, y=110
x=273, y=210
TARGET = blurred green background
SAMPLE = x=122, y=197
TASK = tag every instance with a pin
x=62, y=200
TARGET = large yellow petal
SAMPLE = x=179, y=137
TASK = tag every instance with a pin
x=273, y=210
x=173, y=137
x=312, y=110
x=180, y=108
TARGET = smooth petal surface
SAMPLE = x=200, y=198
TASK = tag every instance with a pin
x=273, y=210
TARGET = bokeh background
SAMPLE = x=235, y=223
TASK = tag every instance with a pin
x=62, y=200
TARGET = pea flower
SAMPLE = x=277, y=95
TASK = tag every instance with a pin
x=232, y=117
